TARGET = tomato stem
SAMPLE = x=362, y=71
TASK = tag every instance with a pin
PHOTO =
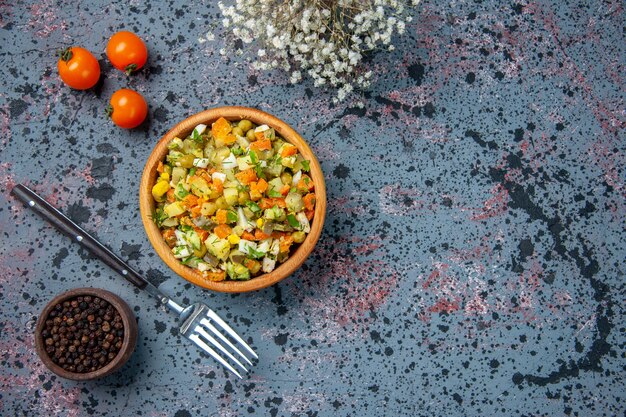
x=130, y=68
x=108, y=110
x=66, y=54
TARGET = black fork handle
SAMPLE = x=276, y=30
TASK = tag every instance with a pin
x=76, y=233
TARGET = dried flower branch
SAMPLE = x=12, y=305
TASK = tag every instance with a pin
x=325, y=39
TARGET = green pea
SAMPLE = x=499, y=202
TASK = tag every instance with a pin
x=245, y=125
x=237, y=131
x=250, y=135
x=286, y=178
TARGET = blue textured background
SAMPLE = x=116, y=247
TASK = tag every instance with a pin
x=472, y=262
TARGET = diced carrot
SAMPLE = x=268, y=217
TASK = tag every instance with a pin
x=309, y=214
x=288, y=150
x=285, y=244
x=266, y=203
x=285, y=189
x=221, y=217
x=259, y=235
x=218, y=185
x=230, y=139
x=222, y=231
x=220, y=128
x=277, y=235
x=261, y=145
x=215, y=276
x=195, y=211
x=190, y=200
x=170, y=196
x=205, y=176
x=250, y=263
x=160, y=167
x=255, y=195
x=305, y=184
x=247, y=236
x=261, y=185
x=309, y=201
x=203, y=234
x=170, y=237
x=260, y=135
x=247, y=176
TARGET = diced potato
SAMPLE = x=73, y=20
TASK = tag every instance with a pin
x=171, y=222
x=200, y=187
x=288, y=161
x=221, y=203
x=174, y=209
x=178, y=174
x=268, y=264
x=220, y=154
x=208, y=209
x=220, y=248
x=231, y=195
x=244, y=162
x=294, y=202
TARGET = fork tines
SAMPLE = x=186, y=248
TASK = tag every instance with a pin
x=206, y=329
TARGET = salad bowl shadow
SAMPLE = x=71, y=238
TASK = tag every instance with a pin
x=147, y=203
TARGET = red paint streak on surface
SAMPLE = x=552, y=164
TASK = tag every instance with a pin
x=15, y=384
x=345, y=204
x=44, y=20
x=51, y=85
x=352, y=284
x=476, y=306
x=397, y=201
x=326, y=151
x=5, y=13
x=435, y=275
x=493, y=206
x=609, y=120
x=608, y=161
x=478, y=252
x=447, y=306
x=85, y=174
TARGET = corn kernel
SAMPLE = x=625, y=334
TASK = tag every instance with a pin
x=259, y=223
x=233, y=239
x=165, y=176
x=159, y=189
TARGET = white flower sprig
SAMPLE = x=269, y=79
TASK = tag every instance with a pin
x=324, y=39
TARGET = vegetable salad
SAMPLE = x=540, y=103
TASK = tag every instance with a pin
x=232, y=200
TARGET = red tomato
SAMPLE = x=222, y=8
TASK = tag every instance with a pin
x=127, y=52
x=78, y=68
x=127, y=108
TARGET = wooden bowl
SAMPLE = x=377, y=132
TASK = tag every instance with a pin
x=128, y=344
x=147, y=205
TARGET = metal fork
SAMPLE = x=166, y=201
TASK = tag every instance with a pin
x=201, y=325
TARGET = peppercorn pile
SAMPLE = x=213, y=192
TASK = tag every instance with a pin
x=83, y=334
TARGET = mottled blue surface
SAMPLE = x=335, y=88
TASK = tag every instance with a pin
x=473, y=257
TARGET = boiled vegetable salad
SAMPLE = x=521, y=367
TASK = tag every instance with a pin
x=233, y=200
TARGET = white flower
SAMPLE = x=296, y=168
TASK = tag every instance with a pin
x=326, y=41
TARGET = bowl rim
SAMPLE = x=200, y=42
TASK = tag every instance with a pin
x=182, y=129
x=128, y=345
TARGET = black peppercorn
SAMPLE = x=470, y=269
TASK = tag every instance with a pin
x=83, y=334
